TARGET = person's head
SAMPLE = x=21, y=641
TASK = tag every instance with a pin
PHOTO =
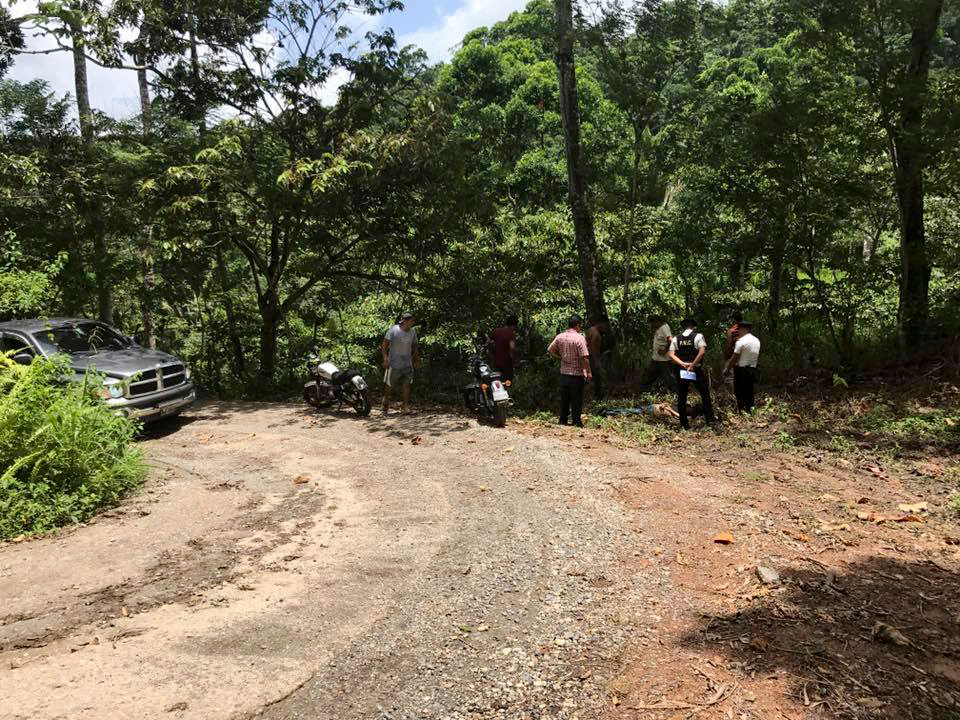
x=603, y=323
x=407, y=320
x=736, y=317
x=744, y=326
x=656, y=321
x=575, y=322
x=511, y=321
x=689, y=323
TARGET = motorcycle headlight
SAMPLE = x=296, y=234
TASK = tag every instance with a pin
x=187, y=372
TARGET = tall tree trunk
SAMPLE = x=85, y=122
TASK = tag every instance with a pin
x=774, y=300
x=101, y=259
x=81, y=87
x=195, y=73
x=577, y=190
x=269, y=321
x=149, y=271
x=909, y=157
x=146, y=106
x=631, y=233
x=235, y=342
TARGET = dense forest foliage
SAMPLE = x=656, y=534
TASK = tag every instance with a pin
x=793, y=159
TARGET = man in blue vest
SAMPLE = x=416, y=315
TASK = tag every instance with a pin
x=686, y=352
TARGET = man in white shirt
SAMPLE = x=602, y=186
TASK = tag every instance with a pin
x=746, y=353
x=660, y=369
x=686, y=352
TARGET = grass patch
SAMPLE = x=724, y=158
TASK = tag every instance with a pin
x=635, y=429
x=64, y=454
x=841, y=445
x=784, y=441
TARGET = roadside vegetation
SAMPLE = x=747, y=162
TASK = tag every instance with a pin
x=795, y=161
x=63, y=454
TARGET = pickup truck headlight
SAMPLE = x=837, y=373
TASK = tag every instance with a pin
x=186, y=372
x=111, y=390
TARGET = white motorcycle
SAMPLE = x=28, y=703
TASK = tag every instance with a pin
x=328, y=385
x=487, y=394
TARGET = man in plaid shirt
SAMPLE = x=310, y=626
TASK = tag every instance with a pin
x=570, y=348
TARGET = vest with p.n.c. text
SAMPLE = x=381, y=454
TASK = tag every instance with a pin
x=687, y=345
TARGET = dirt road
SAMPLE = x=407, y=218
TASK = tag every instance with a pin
x=285, y=564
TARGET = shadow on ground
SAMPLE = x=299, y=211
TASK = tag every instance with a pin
x=830, y=634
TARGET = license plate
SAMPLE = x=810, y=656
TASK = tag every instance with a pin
x=499, y=393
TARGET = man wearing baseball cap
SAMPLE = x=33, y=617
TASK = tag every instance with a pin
x=401, y=353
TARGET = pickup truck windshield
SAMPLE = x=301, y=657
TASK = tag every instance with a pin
x=82, y=338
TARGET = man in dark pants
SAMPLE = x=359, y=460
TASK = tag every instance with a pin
x=746, y=354
x=570, y=348
x=686, y=351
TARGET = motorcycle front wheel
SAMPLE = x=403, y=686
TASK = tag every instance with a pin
x=360, y=400
x=310, y=396
x=500, y=414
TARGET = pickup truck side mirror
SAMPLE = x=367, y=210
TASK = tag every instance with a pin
x=23, y=358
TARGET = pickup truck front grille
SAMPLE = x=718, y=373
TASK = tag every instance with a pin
x=150, y=381
x=174, y=375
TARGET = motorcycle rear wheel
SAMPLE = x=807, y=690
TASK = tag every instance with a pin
x=500, y=414
x=310, y=396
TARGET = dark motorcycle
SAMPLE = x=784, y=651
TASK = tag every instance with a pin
x=487, y=394
x=328, y=385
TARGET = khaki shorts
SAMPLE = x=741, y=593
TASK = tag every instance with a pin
x=394, y=377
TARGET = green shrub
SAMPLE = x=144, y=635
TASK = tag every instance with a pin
x=63, y=454
x=784, y=441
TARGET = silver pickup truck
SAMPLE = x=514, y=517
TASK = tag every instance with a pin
x=140, y=383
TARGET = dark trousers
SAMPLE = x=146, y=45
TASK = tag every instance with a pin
x=683, y=388
x=657, y=372
x=571, y=398
x=744, y=379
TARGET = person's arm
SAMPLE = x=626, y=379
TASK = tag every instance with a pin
x=585, y=361
x=672, y=354
x=385, y=349
x=734, y=360
x=585, y=366
x=696, y=361
x=416, y=354
x=513, y=350
x=552, y=349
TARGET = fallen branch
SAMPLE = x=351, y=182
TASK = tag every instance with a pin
x=723, y=692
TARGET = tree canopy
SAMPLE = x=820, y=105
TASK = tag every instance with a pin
x=792, y=160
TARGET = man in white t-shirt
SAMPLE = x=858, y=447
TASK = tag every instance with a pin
x=401, y=354
x=686, y=352
x=660, y=369
x=746, y=353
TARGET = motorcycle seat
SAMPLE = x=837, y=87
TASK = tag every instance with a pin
x=343, y=376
